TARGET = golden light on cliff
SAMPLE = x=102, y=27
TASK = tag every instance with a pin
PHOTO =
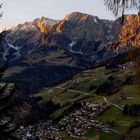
x=41, y=26
x=44, y=28
x=59, y=27
x=130, y=32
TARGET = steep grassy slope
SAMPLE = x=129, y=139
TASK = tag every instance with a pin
x=88, y=82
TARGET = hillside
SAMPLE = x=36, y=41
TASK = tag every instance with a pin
x=114, y=86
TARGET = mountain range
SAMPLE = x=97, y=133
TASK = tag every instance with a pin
x=46, y=51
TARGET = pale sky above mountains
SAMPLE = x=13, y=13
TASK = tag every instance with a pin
x=20, y=11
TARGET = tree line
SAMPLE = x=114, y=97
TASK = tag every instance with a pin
x=132, y=110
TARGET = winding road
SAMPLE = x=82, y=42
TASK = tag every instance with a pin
x=81, y=92
x=112, y=104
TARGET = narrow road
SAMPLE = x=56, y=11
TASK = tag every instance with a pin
x=81, y=92
x=112, y=104
x=74, y=91
x=115, y=131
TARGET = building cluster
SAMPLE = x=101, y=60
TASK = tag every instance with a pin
x=43, y=129
x=79, y=121
x=76, y=123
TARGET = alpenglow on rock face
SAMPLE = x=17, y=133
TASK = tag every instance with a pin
x=45, y=51
x=82, y=26
x=26, y=37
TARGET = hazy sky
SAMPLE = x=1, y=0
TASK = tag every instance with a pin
x=19, y=11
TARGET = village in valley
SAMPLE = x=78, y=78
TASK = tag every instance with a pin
x=83, y=113
x=75, y=124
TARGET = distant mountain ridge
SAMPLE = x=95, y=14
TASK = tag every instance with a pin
x=40, y=49
x=73, y=28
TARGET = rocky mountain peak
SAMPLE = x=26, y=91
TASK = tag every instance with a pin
x=78, y=26
x=46, y=22
x=75, y=17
